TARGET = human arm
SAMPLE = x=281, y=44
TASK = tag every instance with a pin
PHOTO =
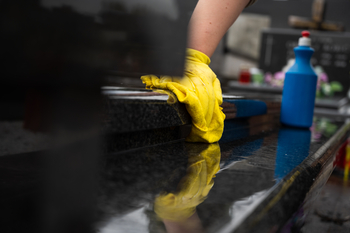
x=210, y=21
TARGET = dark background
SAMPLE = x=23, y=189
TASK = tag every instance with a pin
x=279, y=11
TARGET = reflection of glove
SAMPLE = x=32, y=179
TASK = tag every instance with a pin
x=200, y=90
x=193, y=188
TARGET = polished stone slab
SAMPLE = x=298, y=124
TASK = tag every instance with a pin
x=134, y=118
x=129, y=110
x=332, y=208
x=136, y=110
x=267, y=175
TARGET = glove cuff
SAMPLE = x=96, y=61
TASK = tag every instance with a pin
x=197, y=56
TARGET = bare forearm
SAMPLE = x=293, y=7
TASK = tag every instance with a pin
x=210, y=21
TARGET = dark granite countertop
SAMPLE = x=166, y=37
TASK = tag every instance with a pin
x=260, y=177
x=267, y=177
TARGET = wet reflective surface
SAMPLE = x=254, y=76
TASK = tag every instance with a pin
x=253, y=180
x=330, y=212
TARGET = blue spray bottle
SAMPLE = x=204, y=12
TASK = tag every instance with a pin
x=299, y=91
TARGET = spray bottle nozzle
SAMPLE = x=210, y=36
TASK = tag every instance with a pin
x=305, y=40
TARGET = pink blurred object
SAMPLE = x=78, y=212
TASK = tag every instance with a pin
x=279, y=75
x=276, y=80
x=322, y=78
x=268, y=77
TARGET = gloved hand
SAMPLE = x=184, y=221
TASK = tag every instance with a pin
x=193, y=187
x=200, y=90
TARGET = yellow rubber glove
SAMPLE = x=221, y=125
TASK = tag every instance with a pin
x=200, y=90
x=193, y=188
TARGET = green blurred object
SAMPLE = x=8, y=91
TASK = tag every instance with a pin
x=327, y=89
x=330, y=129
x=318, y=94
x=258, y=78
x=323, y=126
x=324, y=87
x=257, y=75
x=336, y=86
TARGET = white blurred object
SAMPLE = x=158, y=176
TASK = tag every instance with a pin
x=244, y=36
x=289, y=64
x=231, y=65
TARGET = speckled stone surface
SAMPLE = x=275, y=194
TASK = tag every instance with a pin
x=114, y=142
x=267, y=175
x=130, y=110
x=138, y=117
x=136, y=110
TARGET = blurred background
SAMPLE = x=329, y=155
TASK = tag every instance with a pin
x=258, y=48
x=265, y=34
x=57, y=54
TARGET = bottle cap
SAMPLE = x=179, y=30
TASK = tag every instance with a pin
x=305, y=40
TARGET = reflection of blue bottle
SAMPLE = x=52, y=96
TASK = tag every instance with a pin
x=293, y=147
x=299, y=90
